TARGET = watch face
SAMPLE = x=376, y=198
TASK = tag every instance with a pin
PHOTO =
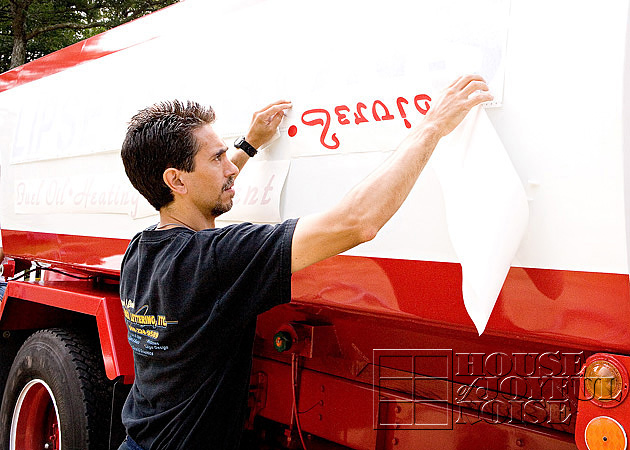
x=245, y=146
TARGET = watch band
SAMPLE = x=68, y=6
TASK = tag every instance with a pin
x=245, y=146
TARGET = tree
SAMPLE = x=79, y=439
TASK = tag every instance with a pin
x=30, y=29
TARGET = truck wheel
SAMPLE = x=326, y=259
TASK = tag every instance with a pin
x=56, y=395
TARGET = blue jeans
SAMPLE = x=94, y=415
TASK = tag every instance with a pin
x=3, y=287
x=129, y=444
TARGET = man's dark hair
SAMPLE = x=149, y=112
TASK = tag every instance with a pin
x=159, y=137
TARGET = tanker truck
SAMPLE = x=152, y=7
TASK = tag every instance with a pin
x=492, y=311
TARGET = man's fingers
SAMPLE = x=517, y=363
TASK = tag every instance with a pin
x=464, y=81
x=479, y=98
x=274, y=114
x=271, y=105
x=265, y=122
x=269, y=112
x=276, y=119
x=474, y=86
x=280, y=107
x=454, y=82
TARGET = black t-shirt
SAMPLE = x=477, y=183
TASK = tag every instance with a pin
x=190, y=301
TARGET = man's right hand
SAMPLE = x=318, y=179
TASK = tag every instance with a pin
x=455, y=102
x=367, y=207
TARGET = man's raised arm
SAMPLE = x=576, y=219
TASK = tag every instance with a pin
x=262, y=128
x=369, y=205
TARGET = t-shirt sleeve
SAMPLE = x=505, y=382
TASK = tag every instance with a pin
x=253, y=267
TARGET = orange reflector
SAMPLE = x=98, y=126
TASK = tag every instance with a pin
x=605, y=433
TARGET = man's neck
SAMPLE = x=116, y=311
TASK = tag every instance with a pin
x=171, y=216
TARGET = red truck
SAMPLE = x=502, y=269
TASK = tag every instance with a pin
x=376, y=349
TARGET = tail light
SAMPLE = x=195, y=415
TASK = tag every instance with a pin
x=605, y=381
x=603, y=418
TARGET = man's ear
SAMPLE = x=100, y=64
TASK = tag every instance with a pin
x=172, y=178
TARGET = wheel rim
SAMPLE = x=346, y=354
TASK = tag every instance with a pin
x=35, y=423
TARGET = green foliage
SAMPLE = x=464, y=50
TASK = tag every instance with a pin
x=44, y=26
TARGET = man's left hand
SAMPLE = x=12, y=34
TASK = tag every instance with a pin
x=265, y=123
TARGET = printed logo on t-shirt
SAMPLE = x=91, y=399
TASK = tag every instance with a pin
x=144, y=328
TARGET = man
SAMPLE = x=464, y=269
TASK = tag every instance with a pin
x=191, y=292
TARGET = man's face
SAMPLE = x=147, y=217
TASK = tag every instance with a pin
x=210, y=183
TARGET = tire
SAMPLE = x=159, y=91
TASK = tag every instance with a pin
x=56, y=396
x=10, y=343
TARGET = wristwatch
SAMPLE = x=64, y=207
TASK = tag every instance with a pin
x=245, y=146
